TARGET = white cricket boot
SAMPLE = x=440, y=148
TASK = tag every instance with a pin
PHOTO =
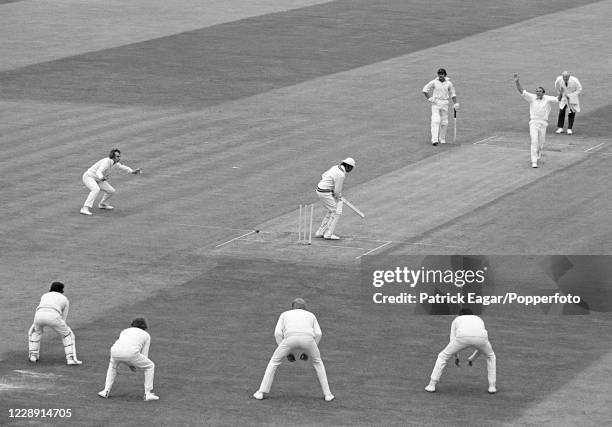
x=85, y=210
x=258, y=395
x=72, y=361
x=103, y=394
x=150, y=396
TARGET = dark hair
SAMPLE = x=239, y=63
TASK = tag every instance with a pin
x=466, y=311
x=112, y=153
x=442, y=71
x=543, y=90
x=139, y=322
x=57, y=287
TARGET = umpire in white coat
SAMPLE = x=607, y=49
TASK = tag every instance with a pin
x=297, y=330
x=571, y=88
x=329, y=190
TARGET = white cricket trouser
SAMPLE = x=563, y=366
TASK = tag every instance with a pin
x=439, y=121
x=305, y=344
x=137, y=360
x=537, y=133
x=52, y=319
x=479, y=343
x=332, y=215
x=94, y=188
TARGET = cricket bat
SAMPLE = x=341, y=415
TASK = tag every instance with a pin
x=353, y=207
x=454, y=125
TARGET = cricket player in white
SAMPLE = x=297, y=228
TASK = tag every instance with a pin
x=438, y=92
x=329, y=190
x=467, y=331
x=132, y=349
x=571, y=88
x=297, y=330
x=539, y=110
x=52, y=312
x=96, y=179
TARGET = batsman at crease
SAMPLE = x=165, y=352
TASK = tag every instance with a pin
x=329, y=191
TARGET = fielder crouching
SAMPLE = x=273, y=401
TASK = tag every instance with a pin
x=467, y=330
x=329, y=190
x=132, y=349
x=52, y=312
x=297, y=331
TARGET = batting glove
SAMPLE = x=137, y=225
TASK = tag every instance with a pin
x=431, y=99
x=456, y=106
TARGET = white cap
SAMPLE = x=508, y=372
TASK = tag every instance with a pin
x=349, y=161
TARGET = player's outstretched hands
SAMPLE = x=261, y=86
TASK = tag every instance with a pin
x=137, y=171
x=132, y=368
x=470, y=363
x=291, y=357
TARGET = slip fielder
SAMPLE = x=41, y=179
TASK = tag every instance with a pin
x=467, y=330
x=132, y=349
x=297, y=330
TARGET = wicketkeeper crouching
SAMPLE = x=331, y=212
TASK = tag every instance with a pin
x=52, y=312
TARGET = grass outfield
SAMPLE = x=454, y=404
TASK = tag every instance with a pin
x=212, y=338
x=233, y=124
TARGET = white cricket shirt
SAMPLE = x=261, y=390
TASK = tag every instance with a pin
x=441, y=91
x=132, y=341
x=539, y=109
x=468, y=326
x=297, y=322
x=102, y=168
x=333, y=179
x=54, y=301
